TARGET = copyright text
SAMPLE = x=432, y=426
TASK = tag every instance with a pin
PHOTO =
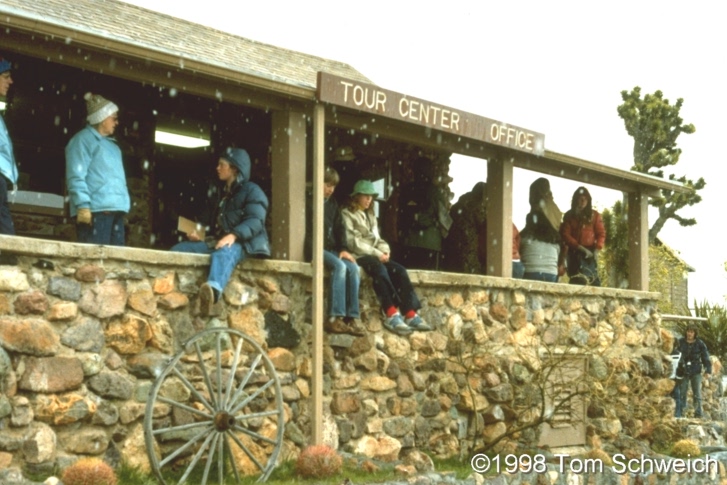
x=620, y=464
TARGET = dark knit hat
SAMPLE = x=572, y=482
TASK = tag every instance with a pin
x=99, y=108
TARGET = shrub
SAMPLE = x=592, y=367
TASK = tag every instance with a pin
x=89, y=471
x=685, y=449
x=599, y=454
x=319, y=461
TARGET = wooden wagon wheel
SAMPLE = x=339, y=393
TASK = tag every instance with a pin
x=217, y=403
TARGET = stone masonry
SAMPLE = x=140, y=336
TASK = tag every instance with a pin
x=85, y=329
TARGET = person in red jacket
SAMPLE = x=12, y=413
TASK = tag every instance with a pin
x=583, y=234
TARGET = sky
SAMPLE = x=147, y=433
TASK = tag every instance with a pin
x=555, y=67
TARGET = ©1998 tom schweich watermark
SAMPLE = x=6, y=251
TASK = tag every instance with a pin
x=621, y=464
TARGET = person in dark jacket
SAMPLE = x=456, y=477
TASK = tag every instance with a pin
x=345, y=274
x=237, y=228
x=465, y=247
x=694, y=355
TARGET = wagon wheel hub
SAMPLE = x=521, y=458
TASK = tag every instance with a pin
x=224, y=421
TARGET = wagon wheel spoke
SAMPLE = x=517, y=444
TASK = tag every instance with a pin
x=233, y=370
x=192, y=410
x=210, y=458
x=221, y=458
x=196, y=458
x=241, y=387
x=192, y=389
x=218, y=368
x=261, y=414
x=205, y=374
x=233, y=465
x=181, y=427
x=252, y=396
x=247, y=452
x=254, y=434
x=182, y=448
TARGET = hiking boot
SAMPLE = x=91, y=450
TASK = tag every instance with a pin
x=397, y=325
x=336, y=325
x=354, y=327
x=206, y=299
x=417, y=323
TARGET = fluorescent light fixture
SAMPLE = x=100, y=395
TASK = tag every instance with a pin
x=167, y=138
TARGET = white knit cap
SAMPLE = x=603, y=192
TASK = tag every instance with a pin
x=99, y=108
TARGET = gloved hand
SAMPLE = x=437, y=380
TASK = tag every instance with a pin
x=595, y=254
x=586, y=252
x=83, y=216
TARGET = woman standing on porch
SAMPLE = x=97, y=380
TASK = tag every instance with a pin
x=540, y=243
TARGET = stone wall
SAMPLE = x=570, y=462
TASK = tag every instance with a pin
x=84, y=329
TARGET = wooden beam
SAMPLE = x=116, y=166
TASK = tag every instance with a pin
x=552, y=163
x=499, y=217
x=638, y=212
x=288, y=175
x=319, y=151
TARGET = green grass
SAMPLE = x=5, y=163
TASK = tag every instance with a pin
x=284, y=474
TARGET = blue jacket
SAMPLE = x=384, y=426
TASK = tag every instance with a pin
x=95, y=175
x=8, y=168
x=242, y=212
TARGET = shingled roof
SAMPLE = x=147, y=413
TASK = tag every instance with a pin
x=129, y=24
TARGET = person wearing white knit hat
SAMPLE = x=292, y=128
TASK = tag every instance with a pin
x=95, y=177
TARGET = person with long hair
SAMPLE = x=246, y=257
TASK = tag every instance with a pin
x=584, y=235
x=391, y=281
x=540, y=243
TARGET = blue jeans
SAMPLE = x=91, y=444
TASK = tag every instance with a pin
x=105, y=228
x=6, y=221
x=538, y=276
x=696, y=382
x=223, y=260
x=518, y=269
x=345, y=281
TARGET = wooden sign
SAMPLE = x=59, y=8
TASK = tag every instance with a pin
x=373, y=99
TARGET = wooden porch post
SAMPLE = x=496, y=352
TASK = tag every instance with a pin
x=499, y=217
x=317, y=283
x=288, y=174
x=638, y=241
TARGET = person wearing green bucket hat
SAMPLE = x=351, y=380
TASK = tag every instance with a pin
x=391, y=281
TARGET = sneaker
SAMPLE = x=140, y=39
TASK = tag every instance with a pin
x=396, y=324
x=354, y=327
x=206, y=299
x=417, y=323
x=336, y=325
